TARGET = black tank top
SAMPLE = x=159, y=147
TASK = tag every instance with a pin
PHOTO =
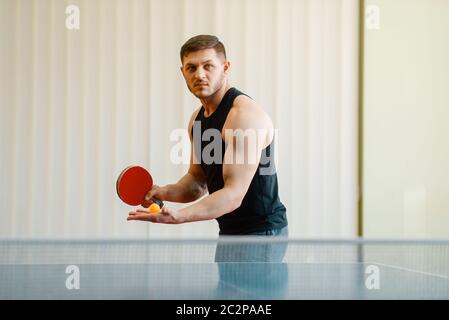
x=261, y=208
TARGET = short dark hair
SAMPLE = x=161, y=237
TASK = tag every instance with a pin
x=202, y=42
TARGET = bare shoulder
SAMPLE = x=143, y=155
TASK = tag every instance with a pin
x=247, y=114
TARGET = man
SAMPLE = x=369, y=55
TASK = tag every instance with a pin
x=243, y=197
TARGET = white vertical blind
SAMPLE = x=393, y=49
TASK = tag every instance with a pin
x=77, y=106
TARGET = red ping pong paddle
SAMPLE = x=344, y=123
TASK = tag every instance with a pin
x=133, y=183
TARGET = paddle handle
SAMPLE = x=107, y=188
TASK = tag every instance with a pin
x=158, y=202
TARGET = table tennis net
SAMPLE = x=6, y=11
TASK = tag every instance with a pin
x=426, y=256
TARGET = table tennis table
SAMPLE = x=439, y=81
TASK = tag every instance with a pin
x=224, y=269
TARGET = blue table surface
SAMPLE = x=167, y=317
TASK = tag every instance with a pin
x=245, y=269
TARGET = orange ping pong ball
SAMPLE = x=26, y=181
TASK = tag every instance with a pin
x=154, y=208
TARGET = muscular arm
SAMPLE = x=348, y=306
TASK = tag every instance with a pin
x=189, y=188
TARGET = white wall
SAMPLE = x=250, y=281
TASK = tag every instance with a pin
x=406, y=112
x=77, y=106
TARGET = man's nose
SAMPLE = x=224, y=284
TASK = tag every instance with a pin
x=200, y=73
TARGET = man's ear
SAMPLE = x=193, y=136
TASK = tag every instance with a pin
x=227, y=67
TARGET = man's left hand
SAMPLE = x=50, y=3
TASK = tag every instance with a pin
x=166, y=215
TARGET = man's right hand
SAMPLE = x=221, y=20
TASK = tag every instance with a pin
x=155, y=192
